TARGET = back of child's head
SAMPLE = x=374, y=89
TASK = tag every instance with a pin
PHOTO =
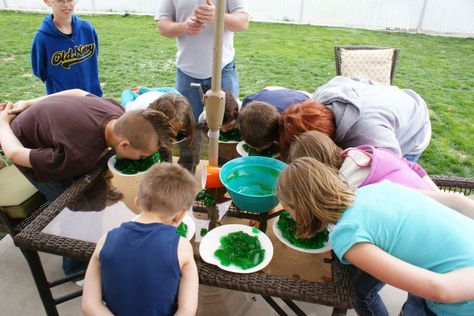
x=301, y=117
x=314, y=192
x=231, y=110
x=259, y=124
x=318, y=146
x=139, y=126
x=177, y=108
x=166, y=188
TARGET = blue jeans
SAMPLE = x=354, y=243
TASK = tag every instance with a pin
x=369, y=303
x=51, y=190
x=412, y=157
x=229, y=82
x=189, y=155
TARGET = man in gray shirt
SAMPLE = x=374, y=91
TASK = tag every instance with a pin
x=191, y=22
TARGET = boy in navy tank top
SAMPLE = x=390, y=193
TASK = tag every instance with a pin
x=144, y=267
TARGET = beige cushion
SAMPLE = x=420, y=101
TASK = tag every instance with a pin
x=374, y=64
x=18, y=197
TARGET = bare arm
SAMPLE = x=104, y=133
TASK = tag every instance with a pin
x=458, y=202
x=236, y=22
x=92, y=295
x=25, y=104
x=172, y=29
x=12, y=147
x=189, y=282
x=451, y=287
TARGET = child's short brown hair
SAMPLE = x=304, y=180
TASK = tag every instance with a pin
x=314, y=193
x=166, y=188
x=318, y=146
x=177, y=108
x=137, y=126
x=231, y=110
x=301, y=117
x=259, y=124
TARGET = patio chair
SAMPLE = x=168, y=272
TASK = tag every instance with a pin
x=367, y=62
x=20, y=202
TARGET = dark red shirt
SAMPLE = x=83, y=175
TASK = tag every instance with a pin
x=66, y=135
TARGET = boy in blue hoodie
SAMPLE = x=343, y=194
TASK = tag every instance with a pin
x=65, y=51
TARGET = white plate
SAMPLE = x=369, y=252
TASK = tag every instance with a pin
x=211, y=242
x=279, y=235
x=229, y=142
x=111, y=165
x=240, y=149
x=188, y=220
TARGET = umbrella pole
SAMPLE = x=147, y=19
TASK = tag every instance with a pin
x=214, y=99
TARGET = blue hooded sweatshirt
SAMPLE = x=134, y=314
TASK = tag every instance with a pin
x=66, y=62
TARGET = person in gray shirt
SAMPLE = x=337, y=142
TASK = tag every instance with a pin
x=191, y=22
x=381, y=115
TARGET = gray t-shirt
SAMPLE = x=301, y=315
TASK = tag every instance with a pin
x=381, y=115
x=194, y=56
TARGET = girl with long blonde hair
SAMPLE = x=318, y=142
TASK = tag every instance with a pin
x=416, y=241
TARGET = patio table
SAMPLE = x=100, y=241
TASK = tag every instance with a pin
x=62, y=230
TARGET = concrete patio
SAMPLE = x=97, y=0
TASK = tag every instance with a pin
x=18, y=294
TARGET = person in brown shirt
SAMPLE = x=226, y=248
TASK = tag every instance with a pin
x=57, y=138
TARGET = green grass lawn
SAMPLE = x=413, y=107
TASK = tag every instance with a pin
x=132, y=53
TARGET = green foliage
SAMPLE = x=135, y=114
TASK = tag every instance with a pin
x=132, y=53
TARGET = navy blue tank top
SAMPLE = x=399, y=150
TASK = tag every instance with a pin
x=140, y=269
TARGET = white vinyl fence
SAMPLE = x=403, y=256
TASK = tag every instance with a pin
x=454, y=17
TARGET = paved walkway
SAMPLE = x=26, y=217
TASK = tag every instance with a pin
x=18, y=294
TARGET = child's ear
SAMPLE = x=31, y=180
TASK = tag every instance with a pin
x=179, y=216
x=136, y=202
x=124, y=144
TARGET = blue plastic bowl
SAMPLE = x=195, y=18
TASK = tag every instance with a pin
x=251, y=182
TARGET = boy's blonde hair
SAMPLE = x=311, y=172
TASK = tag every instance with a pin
x=166, y=188
x=138, y=126
x=317, y=145
x=314, y=193
x=259, y=124
x=176, y=107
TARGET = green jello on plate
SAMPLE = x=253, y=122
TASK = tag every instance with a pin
x=240, y=249
x=287, y=227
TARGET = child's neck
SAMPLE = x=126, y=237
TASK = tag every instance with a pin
x=110, y=138
x=64, y=25
x=149, y=218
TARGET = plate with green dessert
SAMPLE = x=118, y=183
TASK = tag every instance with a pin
x=127, y=167
x=284, y=228
x=236, y=248
x=245, y=150
x=230, y=137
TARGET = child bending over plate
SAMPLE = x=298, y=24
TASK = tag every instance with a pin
x=144, y=267
x=361, y=165
x=415, y=241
